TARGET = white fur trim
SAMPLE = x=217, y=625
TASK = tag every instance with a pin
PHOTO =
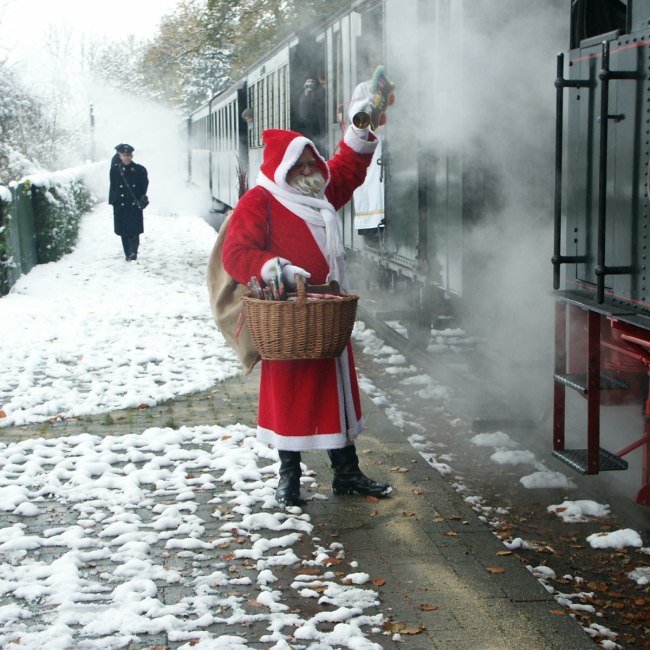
x=357, y=143
x=310, y=443
x=290, y=158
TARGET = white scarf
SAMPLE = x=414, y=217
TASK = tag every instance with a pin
x=319, y=213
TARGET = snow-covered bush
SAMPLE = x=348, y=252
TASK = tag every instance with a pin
x=59, y=202
x=6, y=249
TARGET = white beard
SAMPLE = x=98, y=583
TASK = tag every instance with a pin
x=312, y=185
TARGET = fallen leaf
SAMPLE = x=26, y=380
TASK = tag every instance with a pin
x=374, y=513
x=455, y=517
x=331, y=560
x=450, y=533
x=3, y=414
x=559, y=510
x=409, y=514
x=417, y=490
x=495, y=569
x=437, y=520
x=504, y=552
x=310, y=572
x=426, y=607
x=371, y=499
x=413, y=630
x=143, y=406
x=227, y=557
x=378, y=582
x=393, y=626
x=557, y=612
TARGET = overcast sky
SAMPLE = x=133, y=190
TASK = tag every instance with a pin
x=23, y=24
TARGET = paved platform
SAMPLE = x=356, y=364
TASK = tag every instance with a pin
x=441, y=576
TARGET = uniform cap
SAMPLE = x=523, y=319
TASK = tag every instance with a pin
x=124, y=148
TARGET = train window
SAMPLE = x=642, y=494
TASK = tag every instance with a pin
x=591, y=18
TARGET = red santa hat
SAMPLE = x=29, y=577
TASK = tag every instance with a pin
x=282, y=148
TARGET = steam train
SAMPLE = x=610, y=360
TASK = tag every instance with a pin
x=602, y=335
x=465, y=188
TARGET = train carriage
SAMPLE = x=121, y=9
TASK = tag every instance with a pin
x=601, y=221
x=218, y=146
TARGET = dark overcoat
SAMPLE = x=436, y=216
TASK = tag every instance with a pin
x=128, y=183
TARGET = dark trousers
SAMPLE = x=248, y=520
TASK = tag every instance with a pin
x=130, y=246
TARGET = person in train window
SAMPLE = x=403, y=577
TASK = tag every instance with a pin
x=312, y=109
x=288, y=224
x=247, y=116
x=128, y=196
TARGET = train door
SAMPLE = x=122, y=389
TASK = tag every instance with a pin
x=338, y=43
x=227, y=161
x=606, y=163
x=199, y=154
x=424, y=168
x=366, y=219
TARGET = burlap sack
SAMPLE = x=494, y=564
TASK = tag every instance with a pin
x=225, y=301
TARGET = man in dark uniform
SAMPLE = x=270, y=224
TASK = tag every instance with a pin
x=128, y=196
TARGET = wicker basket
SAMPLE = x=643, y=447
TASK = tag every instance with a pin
x=304, y=328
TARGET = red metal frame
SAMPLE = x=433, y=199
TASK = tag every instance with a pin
x=628, y=350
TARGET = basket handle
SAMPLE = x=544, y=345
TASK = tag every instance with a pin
x=301, y=290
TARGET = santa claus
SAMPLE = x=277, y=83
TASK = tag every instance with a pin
x=289, y=220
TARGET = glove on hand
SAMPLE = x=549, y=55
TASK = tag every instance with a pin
x=361, y=102
x=288, y=270
x=289, y=273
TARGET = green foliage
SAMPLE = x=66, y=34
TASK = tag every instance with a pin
x=205, y=44
x=188, y=60
x=58, y=207
x=263, y=24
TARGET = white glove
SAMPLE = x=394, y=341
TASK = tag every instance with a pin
x=289, y=273
x=361, y=102
x=270, y=271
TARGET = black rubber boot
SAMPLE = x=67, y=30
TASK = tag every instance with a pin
x=349, y=479
x=288, y=491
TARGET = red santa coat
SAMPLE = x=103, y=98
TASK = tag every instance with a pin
x=303, y=404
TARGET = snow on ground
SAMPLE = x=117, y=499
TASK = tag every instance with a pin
x=89, y=560
x=641, y=575
x=92, y=333
x=579, y=510
x=615, y=539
